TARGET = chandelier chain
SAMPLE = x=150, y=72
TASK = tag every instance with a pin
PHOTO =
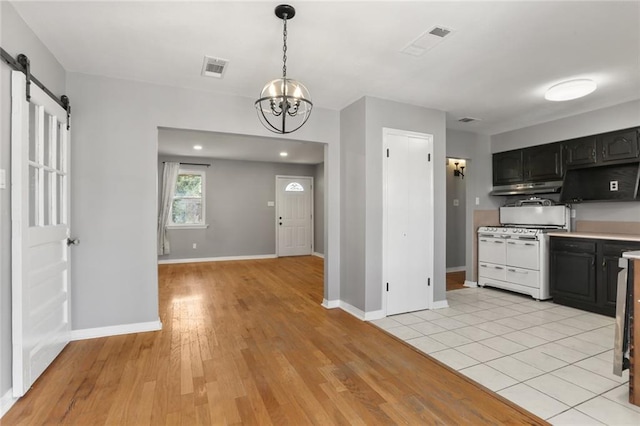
x=284, y=47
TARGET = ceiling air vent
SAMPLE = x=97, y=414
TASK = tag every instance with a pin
x=427, y=40
x=468, y=119
x=214, y=67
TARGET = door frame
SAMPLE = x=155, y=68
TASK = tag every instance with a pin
x=277, y=206
x=431, y=226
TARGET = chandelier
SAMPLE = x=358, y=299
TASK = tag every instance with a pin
x=284, y=104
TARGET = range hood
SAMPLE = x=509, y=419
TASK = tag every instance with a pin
x=615, y=182
x=528, y=188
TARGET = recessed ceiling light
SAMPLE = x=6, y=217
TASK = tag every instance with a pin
x=197, y=147
x=572, y=89
x=283, y=154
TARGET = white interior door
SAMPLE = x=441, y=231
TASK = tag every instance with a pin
x=294, y=218
x=408, y=221
x=40, y=228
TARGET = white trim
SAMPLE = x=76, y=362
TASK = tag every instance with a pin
x=216, y=259
x=358, y=313
x=115, y=330
x=472, y=284
x=457, y=269
x=330, y=304
x=350, y=309
x=315, y=253
x=440, y=304
x=188, y=226
x=6, y=402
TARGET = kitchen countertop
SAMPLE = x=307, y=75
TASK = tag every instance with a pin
x=632, y=255
x=597, y=236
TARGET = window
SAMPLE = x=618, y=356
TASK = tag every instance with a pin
x=294, y=187
x=187, y=208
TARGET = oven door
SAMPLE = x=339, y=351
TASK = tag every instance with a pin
x=523, y=253
x=491, y=249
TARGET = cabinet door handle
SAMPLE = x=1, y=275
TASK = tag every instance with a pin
x=499, y=242
x=529, y=244
x=483, y=266
x=484, y=241
x=511, y=242
x=498, y=267
x=604, y=264
x=511, y=270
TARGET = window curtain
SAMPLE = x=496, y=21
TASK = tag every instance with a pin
x=169, y=179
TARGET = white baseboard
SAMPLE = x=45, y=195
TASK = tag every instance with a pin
x=457, y=269
x=330, y=304
x=114, y=330
x=468, y=283
x=6, y=402
x=359, y=313
x=315, y=253
x=216, y=259
x=440, y=304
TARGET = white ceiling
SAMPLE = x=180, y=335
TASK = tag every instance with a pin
x=495, y=66
x=178, y=142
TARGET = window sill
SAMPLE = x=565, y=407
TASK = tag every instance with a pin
x=205, y=226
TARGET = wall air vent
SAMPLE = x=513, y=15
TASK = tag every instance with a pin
x=214, y=67
x=427, y=40
x=468, y=119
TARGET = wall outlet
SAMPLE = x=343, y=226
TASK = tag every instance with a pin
x=456, y=202
x=477, y=201
x=573, y=213
x=613, y=185
x=270, y=204
x=195, y=246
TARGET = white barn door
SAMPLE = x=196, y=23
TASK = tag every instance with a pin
x=294, y=218
x=407, y=221
x=40, y=229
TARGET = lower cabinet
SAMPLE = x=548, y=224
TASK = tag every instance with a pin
x=583, y=273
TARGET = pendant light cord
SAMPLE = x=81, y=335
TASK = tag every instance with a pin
x=284, y=47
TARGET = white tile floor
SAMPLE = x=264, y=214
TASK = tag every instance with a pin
x=552, y=360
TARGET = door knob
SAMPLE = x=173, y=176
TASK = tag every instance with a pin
x=73, y=241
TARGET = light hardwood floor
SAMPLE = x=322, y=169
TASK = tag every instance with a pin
x=247, y=342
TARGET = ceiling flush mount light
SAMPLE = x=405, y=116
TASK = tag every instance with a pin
x=284, y=104
x=197, y=147
x=569, y=90
x=283, y=154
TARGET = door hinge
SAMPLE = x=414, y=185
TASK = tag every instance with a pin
x=428, y=282
x=387, y=152
x=429, y=157
x=387, y=286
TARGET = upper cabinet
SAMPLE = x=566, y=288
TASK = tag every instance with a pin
x=535, y=164
x=621, y=145
x=580, y=152
x=542, y=162
x=507, y=167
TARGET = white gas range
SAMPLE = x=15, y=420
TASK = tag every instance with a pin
x=515, y=256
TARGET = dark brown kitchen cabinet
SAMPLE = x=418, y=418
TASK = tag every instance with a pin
x=583, y=273
x=621, y=145
x=542, y=162
x=507, y=167
x=580, y=151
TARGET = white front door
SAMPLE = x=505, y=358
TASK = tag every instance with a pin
x=408, y=221
x=294, y=207
x=40, y=228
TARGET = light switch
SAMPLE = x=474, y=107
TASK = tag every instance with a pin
x=456, y=202
x=477, y=201
x=270, y=204
x=3, y=179
x=613, y=185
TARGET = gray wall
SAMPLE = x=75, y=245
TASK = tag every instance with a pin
x=240, y=222
x=602, y=120
x=16, y=37
x=456, y=217
x=362, y=208
x=476, y=149
x=352, y=204
x=318, y=207
x=115, y=158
